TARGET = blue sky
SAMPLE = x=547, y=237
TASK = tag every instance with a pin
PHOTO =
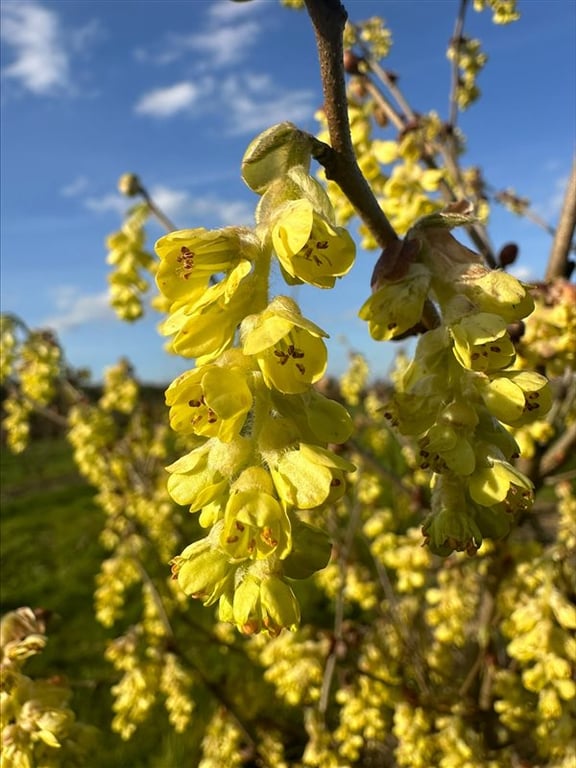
x=174, y=91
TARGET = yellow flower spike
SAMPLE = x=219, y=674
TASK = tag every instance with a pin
x=397, y=305
x=310, y=476
x=309, y=248
x=481, y=342
x=288, y=348
x=212, y=401
x=190, y=257
x=516, y=397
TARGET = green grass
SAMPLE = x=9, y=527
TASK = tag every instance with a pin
x=50, y=555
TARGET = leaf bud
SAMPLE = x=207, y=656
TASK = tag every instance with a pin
x=351, y=62
x=272, y=153
x=508, y=254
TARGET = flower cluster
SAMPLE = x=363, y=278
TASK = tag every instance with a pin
x=461, y=388
x=471, y=60
x=259, y=430
x=128, y=257
x=503, y=11
x=31, y=368
x=38, y=726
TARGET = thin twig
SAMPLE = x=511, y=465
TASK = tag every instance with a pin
x=330, y=667
x=559, y=264
x=328, y=18
x=558, y=452
x=396, y=93
x=455, y=81
x=160, y=215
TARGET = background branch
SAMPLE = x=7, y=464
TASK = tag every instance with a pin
x=559, y=264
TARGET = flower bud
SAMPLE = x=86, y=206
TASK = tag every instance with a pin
x=202, y=572
x=129, y=184
x=280, y=609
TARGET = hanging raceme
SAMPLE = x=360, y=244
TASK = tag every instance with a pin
x=461, y=383
x=260, y=430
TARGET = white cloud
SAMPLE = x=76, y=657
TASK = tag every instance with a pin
x=226, y=38
x=173, y=202
x=254, y=103
x=75, y=187
x=75, y=309
x=249, y=102
x=109, y=202
x=228, y=12
x=522, y=272
x=41, y=49
x=550, y=208
x=188, y=211
x=223, y=46
x=34, y=34
x=165, y=102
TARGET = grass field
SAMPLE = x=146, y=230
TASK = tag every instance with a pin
x=50, y=554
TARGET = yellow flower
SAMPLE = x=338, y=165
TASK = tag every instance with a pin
x=212, y=401
x=397, y=305
x=205, y=328
x=310, y=476
x=481, y=342
x=255, y=526
x=496, y=292
x=189, y=258
x=288, y=348
x=268, y=603
x=516, y=397
x=309, y=248
x=499, y=481
x=202, y=571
